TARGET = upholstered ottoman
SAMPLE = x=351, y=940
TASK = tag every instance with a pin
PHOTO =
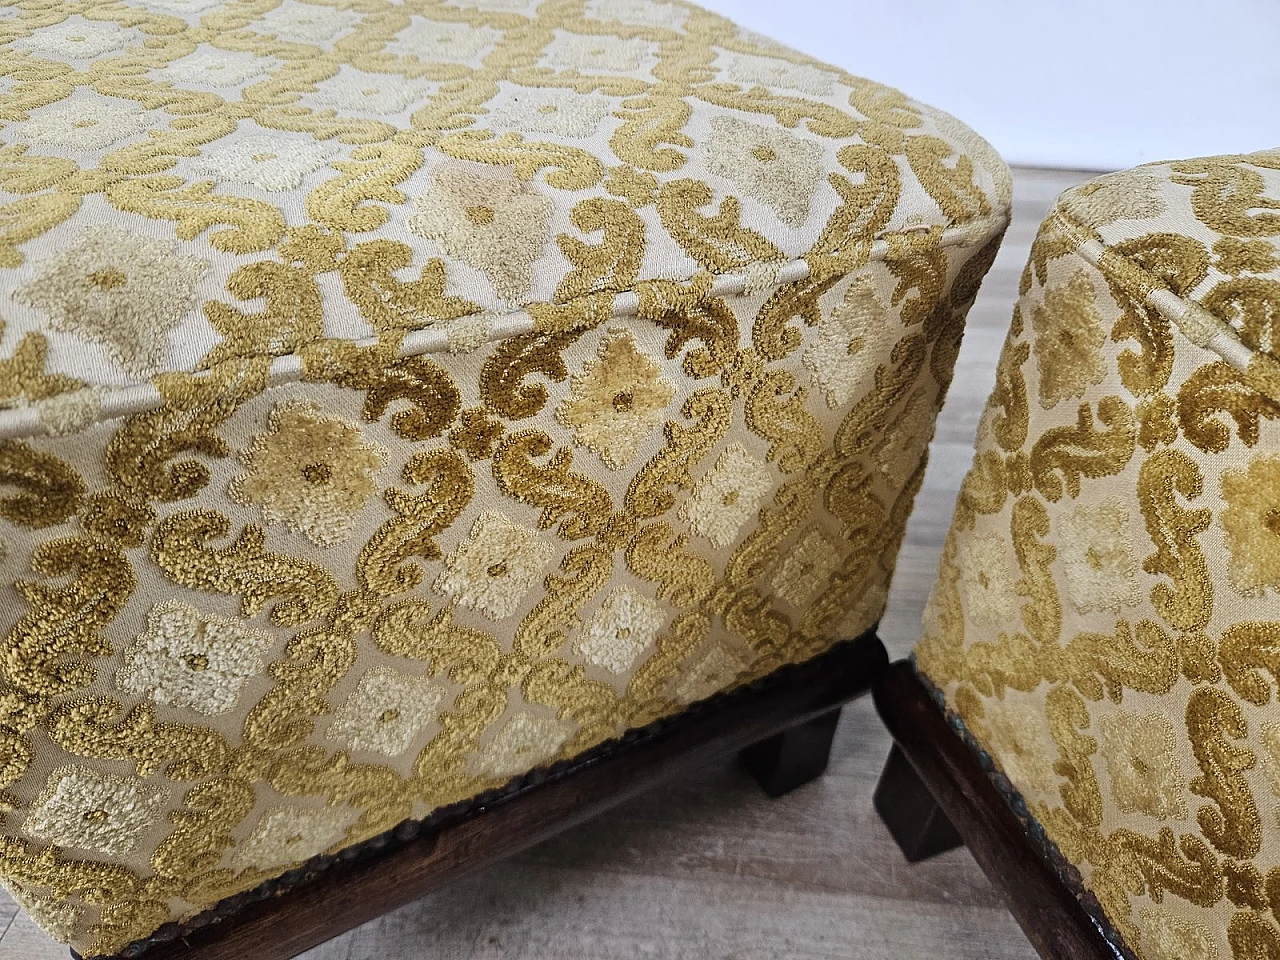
x=1105, y=630
x=408, y=407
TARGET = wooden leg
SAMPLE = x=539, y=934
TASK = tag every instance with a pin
x=911, y=813
x=793, y=757
x=1055, y=922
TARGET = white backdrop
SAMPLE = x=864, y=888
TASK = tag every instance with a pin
x=1088, y=84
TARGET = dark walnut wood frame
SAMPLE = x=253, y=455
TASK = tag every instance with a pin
x=783, y=724
x=935, y=794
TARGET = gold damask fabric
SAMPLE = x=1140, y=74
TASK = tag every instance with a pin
x=401, y=396
x=1105, y=622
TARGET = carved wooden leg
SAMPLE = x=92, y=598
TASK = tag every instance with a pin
x=794, y=757
x=908, y=809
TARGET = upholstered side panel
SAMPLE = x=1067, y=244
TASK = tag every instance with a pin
x=1105, y=620
x=261, y=623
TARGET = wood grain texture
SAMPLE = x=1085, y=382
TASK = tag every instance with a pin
x=708, y=868
x=1049, y=914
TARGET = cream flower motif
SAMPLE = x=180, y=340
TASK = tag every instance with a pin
x=1068, y=340
x=1127, y=195
x=310, y=471
x=712, y=672
x=83, y=124
x=616, y=401
x=191, y=659
x=560, y=113
x=626, y=625
x=76, y=39
x=768, y=72
x=268, y=161
x=640, y=13
x=771, y=165
x=57, y=917
x=850, y=342
x=1142, y=764
x=597, y=54
x=379, y=94
x=728, y=496
x=91, y=810
x=435, y=42
x=986, y=582
x=122, y=290
x=1167, y=937
x=1251, y=522
x=1018, y=737
x=524, y=742
x=210, y=67
x=805, y=572
x=386, y=712
x=287, y=835
x=492, y=221
x=493, y=570
x=1097, y=554
x=306, y=23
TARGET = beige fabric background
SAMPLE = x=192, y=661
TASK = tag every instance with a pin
x=401, y=396
x=1104, y=619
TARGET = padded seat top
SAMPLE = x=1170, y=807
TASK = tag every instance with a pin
x=184, y=182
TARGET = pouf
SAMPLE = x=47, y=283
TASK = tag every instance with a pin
x=400, y=397
x=1104, y=627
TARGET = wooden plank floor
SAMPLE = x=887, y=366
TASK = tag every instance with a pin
x=709, y=869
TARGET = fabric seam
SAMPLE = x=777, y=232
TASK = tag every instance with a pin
x=1216, y=334
x=118, y=402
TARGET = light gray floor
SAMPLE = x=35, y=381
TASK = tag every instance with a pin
x=708, y=868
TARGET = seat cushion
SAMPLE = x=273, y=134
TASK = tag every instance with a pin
x=401, y=397
x=1105, y=621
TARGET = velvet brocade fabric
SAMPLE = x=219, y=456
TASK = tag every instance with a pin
x=1104, y=623
x=400, y=396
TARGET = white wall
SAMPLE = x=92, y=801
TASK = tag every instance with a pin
x=1089, y=84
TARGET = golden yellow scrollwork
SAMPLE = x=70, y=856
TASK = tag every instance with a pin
x=395, y=399
x=1103, y=623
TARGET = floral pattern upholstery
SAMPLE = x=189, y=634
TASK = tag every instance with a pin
x=395, y=397
x=1105, y=620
